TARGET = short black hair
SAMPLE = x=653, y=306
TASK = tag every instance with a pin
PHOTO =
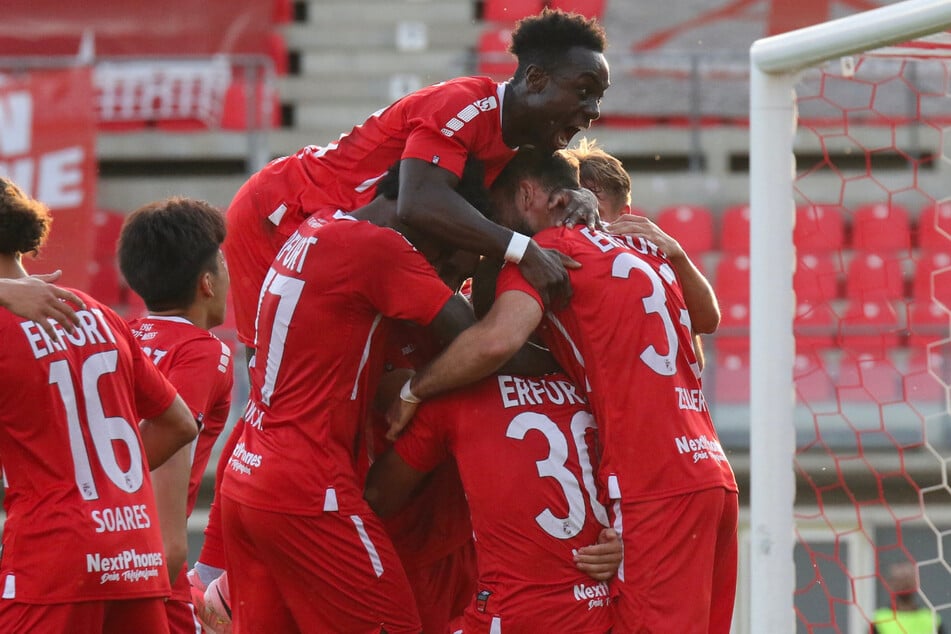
x=471, y=185
x=24, y=222
x=166, y=245
x=552, y=170
x=544, y=39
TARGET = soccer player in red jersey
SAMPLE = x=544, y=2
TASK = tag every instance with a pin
x=169, y=252
x=36, y=298
x=82, y=550
x=306, y=551
x=524, y=448
x=555, y=92
x=662, y=468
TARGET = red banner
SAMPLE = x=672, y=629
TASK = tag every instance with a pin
x=135, y=27
x=47, y=147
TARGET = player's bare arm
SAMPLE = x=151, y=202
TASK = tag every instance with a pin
x=170, y=484
x=474, y=354
x=701, y=301
x=428, y=201
x=600, y=561
x=168, y=432
x=37, y=299
x=390, y=483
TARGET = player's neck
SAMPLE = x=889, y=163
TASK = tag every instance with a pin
x=11, y=267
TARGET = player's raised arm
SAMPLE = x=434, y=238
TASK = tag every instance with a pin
x=429, y=201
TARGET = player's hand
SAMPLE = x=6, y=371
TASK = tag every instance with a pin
x=631, y=225
x=398, y=417
x=36, y=299
x=600, y=561
x=547, y=271
x=580, y=206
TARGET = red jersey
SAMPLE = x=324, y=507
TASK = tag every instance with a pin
x=320, y=327
x=81, y=519
x=441, y=124
x=199, y=366
x=435, y=522
x=626, y=338
x=524, y=447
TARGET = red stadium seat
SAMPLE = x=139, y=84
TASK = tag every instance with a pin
x=732, y=378
x=282, y=11
x=735, y=229
x=881, y=227
x=924, y=376
x=819, y=228
x=816, y=278
x=870, y=326
x=874, y=276
x=733, y=334
x=733, y=276
x=925, y=268
x=934, y=227
x=493, y=57
x=690, y=225
x=866, y=377
x=510, y=11
x=812, y=378
x=277, y=51
x=815, y=326
x=587, y=8
x=927, y=322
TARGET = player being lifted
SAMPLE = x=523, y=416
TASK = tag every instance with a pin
x=555, y=92
x=82, y=550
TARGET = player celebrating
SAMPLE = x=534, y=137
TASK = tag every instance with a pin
x=305, y=548
x=169, y=252
x=524, y=450
x=662, y=466
x=82, y=551
x=555, y=92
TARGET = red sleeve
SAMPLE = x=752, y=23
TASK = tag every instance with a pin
x=201, y=372
x=511, y=279
x=457, y=121
x=406, y=285
x=153, y=393
x=424, y=445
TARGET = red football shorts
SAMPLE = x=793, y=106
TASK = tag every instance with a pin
x=682, y=546
x=142, y=616
x=181, y=617
x=323, y=573
x=444, y=588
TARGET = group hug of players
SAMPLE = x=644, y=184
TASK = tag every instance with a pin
x=401, y=466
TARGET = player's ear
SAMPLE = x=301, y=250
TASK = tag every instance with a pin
x=535, y=78
x=206, y=284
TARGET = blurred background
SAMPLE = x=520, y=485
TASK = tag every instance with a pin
x=106, y=105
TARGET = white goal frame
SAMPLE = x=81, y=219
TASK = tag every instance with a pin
x=774, y=66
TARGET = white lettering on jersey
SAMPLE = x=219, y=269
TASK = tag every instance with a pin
x=121, y=518
x=294, y=251
x=516, y=391
x=700, y=448
x=91, y=330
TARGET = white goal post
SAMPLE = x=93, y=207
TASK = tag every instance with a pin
x=774, y=66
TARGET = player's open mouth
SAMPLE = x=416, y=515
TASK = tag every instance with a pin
x=564, y=137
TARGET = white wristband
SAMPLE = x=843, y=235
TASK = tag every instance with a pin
x=516, y=248
x=406, y=394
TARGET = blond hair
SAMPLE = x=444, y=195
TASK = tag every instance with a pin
x=601, y=171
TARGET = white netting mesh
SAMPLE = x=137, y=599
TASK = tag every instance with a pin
x=872, y=328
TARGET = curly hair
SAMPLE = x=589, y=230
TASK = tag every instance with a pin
x=544, y=39
x=24, y=222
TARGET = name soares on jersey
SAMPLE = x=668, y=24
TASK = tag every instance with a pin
x=690, y=399
x=91, y=330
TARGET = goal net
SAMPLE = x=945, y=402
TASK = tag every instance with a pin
x=864, y=213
